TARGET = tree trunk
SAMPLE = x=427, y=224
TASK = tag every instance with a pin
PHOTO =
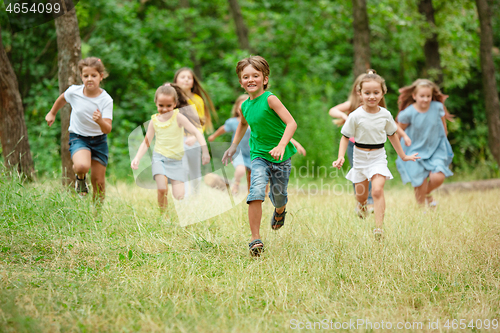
x=433, y=68
x=241, y=28
x=14, y=135
x=192, y=52
x=489, y=82
x=69, y=53
x=361, y=37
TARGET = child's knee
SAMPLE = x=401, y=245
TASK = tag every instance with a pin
x=81, y=167
x=377, y=193
x=178, y=196
x=162, y=192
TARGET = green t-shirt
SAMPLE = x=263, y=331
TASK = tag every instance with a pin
x=266, y=127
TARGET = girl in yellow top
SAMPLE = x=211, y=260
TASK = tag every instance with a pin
x=197, y=96
x=168, y=126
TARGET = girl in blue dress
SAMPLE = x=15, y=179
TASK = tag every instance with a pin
x=423, y=117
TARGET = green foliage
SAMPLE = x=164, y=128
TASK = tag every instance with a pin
x=309, y=48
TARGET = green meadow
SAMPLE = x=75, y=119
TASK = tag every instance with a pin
x=65, y=267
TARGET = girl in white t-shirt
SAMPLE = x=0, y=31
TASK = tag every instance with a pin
x=90, y=122
x=369, y=125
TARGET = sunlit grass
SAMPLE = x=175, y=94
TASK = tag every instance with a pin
x=64, y=267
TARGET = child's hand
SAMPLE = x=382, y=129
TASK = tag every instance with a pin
x=228, y=155
x=190, y=140
x=413, y=157
x=338, y=163
x=278, y=152
x=50, y=118
x=97, y=116
x=205, y=158
x=211, y=138
x=135, y=164
x=407, y=140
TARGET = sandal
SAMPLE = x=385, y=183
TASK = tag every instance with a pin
x=379, y=234
x=275, y=225
x=256, y=247
x=362, y=210
x=81, y=186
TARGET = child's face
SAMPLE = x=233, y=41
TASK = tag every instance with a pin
x=252, y=80
x=423, y=97
x=185, y=80
x=165, y=103
x=371, y=93
x=91, y=78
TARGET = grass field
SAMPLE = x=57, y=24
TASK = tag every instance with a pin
x=64, y=268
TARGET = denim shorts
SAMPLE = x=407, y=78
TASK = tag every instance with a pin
x=97, y=145
x=277, y=173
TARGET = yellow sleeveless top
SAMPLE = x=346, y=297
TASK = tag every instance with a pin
x=169, y=137
x=199, y=105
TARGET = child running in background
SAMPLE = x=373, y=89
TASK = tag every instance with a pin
x=270, y=148
x=370, y=125
x=199, y=98
x=341, y=112
x=89, y=124
x=242, y=161
x=423, y=116
x=168, y=126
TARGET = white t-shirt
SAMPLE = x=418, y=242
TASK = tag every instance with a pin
x=83, y=108
x=369, y=128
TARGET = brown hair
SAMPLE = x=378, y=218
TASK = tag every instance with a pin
x=167, y=90
x=405, y=98
x=198, y=90
x=183, y=105
x=95, y=63
x=239, y=100
x=257, y=62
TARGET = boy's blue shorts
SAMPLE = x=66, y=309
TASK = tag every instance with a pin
x=97, y=145
x=277, y=173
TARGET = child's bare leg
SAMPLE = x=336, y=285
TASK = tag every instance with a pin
x=249, y=175
x=162, y=185
x=81, y=162
x=378, y=182
x=254, y=217
x=420, y=192
x=436, y=179
x=238, y=174
x=98, y=180
x=177, y=189
x=361, y=190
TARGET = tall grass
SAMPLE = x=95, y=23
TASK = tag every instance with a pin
x=66, y=268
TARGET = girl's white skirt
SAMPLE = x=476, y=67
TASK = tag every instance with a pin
x=368, y=163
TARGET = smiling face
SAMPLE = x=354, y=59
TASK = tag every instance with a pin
x=185, y=80
x=371, y=93
x=165, y=103
x=423, y=97
x=253, y=81
x=91, y=78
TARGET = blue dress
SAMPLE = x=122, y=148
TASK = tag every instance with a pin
x=428, y=139
x=243, y=158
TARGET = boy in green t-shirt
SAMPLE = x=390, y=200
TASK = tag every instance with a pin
x=270, y=148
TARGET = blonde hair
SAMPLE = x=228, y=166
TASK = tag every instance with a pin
x=405, y=98
x=257, y=62
x=95, y=63
x=198, y=90
x=239, y=100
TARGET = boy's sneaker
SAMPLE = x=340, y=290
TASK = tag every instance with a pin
x=81, y=186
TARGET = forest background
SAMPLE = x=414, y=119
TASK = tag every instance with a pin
x=309, y=45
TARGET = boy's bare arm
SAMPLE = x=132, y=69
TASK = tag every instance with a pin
x=285, y=116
